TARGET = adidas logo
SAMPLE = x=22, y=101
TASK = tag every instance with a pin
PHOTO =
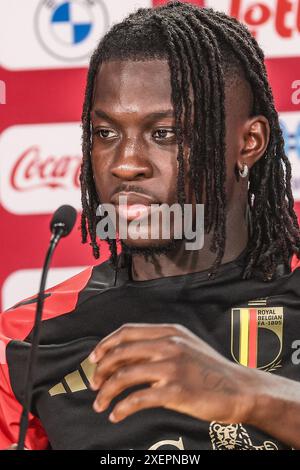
x=75, y=381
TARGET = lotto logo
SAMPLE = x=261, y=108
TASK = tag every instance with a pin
x=284, y=14
x=274, y=23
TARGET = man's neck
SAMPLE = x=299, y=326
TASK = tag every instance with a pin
x=184, y=261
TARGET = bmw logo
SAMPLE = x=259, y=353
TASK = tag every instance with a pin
x=70, y=30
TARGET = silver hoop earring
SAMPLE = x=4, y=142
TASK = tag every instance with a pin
x=244, y=173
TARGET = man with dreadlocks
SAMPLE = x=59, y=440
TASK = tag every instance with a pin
x=161, y=347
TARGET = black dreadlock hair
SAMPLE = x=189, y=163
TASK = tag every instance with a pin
x=203, y=47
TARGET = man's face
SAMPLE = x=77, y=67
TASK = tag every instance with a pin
x=134, y=151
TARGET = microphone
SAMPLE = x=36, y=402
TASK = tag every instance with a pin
x=61, y=225
x=63, y=221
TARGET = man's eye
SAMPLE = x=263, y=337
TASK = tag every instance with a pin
x=106, y=133
x=164, y=134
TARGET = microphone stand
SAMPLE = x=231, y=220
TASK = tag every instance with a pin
x=59, y=230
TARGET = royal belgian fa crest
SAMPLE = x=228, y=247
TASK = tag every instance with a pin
x=256, y=335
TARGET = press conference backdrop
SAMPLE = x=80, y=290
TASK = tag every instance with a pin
x=44, y=52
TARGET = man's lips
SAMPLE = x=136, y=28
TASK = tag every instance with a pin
x=132, y=205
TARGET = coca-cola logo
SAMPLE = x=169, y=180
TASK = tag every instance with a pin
x=285, y=15
x=34, y=170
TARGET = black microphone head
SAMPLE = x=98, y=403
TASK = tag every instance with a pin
x=64, y=217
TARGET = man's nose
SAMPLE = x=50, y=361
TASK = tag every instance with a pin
x=131, y=161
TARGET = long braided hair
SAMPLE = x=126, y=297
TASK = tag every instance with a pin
x=204, y=47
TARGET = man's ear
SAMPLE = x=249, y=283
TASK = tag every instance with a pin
x=254, y=141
